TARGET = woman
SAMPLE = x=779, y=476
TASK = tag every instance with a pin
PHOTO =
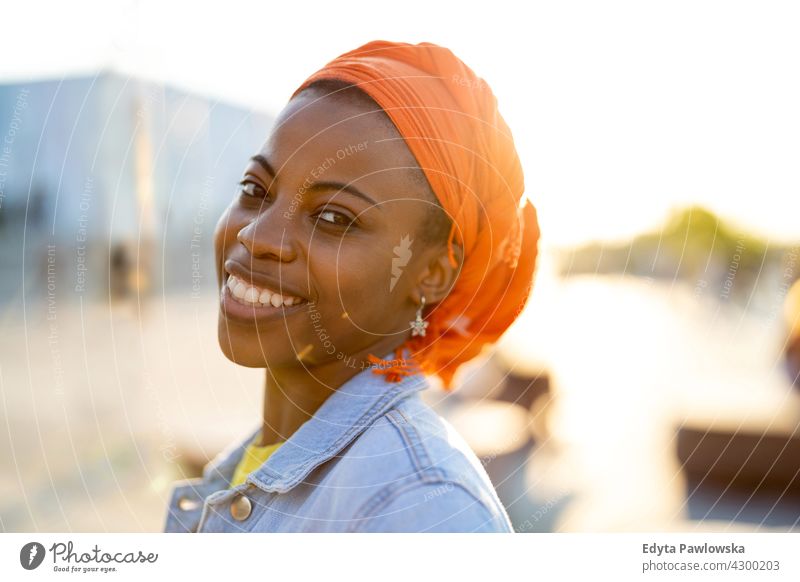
x=380, y=236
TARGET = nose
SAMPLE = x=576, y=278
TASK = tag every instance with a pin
x=264, y=238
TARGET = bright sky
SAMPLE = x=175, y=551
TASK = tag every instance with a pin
x=620, y=110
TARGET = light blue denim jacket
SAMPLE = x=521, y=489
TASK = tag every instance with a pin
x=374, y=458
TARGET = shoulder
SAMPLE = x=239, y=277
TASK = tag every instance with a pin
x=411, y=471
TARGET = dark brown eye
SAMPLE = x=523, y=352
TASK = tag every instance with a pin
x=335, y=218
x=251, y=189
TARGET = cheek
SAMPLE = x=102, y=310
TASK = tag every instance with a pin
x=358, y=282
x=225, y=236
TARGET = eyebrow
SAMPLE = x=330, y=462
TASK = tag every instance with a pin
x=267, y=167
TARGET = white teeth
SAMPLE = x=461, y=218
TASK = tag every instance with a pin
x=251, y=295
x=256, y=296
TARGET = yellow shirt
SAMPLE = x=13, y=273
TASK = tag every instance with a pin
x=253, y=457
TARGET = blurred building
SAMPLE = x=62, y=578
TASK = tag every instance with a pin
x=119, y=174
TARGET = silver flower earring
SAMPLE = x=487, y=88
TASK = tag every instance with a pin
x=418, y=325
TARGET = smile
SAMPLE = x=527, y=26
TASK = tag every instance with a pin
x=249, y=304
x=254, y=296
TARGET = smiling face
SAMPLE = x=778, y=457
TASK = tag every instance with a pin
x=335, y=216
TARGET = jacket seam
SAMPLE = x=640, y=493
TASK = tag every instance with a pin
x=383, y=498
x=408, y=430
x=418, y=453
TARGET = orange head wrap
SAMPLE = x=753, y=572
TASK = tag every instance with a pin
x=449, y=119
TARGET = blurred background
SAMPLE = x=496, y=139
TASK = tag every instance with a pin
x=650, y=385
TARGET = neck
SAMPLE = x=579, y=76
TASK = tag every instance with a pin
x=293, y=394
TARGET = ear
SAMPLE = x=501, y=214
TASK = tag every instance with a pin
x=438, y=277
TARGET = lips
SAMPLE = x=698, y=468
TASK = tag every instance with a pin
x=249, y=296
x=262, y=281
x=258, y=296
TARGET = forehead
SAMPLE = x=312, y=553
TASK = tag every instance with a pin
x=316, y=128
x=332, y=112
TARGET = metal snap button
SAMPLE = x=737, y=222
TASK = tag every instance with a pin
x=186, y=503
x=241, y=508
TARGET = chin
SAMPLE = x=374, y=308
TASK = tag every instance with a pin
x=240, y=349
x=252, y=348
x=246, y=360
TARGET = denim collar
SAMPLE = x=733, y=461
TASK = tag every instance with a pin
x=353, y=407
